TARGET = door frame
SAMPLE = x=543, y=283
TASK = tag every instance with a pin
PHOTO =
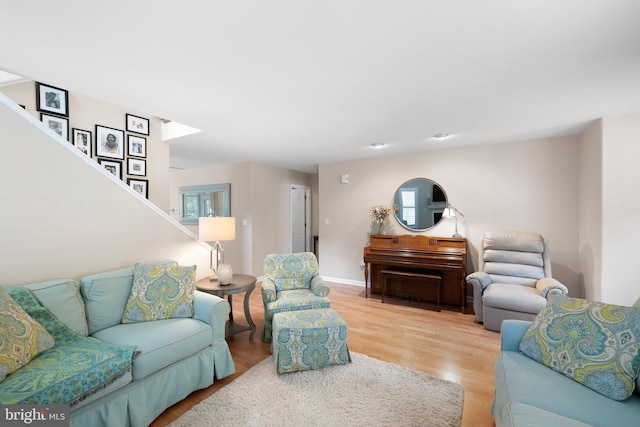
x=307, y=217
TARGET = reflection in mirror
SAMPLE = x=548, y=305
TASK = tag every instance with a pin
x=418, y=204
x=204, y=200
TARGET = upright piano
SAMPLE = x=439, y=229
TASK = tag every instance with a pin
x=441, y=257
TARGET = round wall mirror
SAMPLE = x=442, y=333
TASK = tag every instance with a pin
x=418, y=204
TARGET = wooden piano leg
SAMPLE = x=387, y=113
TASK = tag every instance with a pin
x=366, y=280
x=384, y=288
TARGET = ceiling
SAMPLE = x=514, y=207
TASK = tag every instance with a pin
x=295, y=83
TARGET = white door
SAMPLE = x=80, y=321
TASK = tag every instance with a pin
x=300, y=217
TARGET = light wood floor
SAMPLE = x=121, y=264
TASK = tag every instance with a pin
x=447, y=345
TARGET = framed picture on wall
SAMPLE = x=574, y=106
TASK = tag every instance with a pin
x=109, y=142
x=136, y=167
x=137, y=124
x=82, y=140
x=136, y=146
x=112, y=166
x=52, y=99
x=58, y=125
x=140, y=186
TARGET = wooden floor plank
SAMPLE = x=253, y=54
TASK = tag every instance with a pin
x=446, y=344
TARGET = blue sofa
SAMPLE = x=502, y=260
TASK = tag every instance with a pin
x=173, y=357
x=531, y=394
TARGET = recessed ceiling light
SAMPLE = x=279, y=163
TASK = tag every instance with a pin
x=378, y=145
x=441, y=136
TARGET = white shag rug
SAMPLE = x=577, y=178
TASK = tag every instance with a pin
x=367, y=392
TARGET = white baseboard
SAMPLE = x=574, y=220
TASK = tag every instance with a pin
x=344, y=281
x=333, y=280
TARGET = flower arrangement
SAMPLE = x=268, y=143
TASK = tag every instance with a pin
x=379, y=215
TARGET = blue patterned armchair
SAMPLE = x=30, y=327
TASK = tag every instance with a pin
x=291, y=283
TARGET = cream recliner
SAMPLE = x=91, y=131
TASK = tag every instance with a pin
x=513, y=279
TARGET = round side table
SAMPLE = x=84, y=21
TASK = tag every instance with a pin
x=239, y=283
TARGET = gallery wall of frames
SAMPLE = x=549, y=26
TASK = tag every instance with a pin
x=121, y=151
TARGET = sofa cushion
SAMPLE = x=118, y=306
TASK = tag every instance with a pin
x=105, y=296
x=522, y=299
x=593, y=343
x=521, y=380
x=63, y=299
x=299, y=299
x=75, y=369
x=21, y=337
x=522, y=415
x=159, y=343
x=160, y=292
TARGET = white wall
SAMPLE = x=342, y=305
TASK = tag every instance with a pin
x=271, y=198
x=315, y=203
x=260, y=195
x=64, y=216
x=85, y=113
x=620, y=208
x=527, y=186
x=590, y=219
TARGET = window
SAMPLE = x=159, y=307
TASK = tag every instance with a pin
x=408, y=207
x=204, y=200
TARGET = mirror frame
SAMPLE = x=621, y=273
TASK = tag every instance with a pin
x=202, y=191
x=395, y=214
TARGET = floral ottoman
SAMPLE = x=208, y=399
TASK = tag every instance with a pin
x=309, y=339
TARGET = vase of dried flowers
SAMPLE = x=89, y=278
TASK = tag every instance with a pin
x=379, y=215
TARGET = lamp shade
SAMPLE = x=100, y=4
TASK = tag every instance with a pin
x=449, y=212
x=217, y=228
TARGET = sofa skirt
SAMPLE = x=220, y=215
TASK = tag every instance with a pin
x=140, y=402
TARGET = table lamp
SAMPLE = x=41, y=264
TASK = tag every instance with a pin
x=217, y=228
x=451, y=212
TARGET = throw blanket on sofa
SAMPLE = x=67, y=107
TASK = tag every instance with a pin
x=75, y=368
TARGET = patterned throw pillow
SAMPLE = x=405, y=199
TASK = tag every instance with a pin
x=160, y=292
x=21, y=337
x=593, y=343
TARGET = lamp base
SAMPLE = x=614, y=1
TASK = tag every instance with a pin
x=456, y=235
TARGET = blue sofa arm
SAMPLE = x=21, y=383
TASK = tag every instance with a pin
x=213, y=311
x=511, y=334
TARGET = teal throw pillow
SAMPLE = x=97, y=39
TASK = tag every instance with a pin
x=160, y=292
x=593, y=343
x=21, y=337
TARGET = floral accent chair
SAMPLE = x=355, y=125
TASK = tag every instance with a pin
x=291, y=283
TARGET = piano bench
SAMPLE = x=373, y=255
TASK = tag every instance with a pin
x=428, y=279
